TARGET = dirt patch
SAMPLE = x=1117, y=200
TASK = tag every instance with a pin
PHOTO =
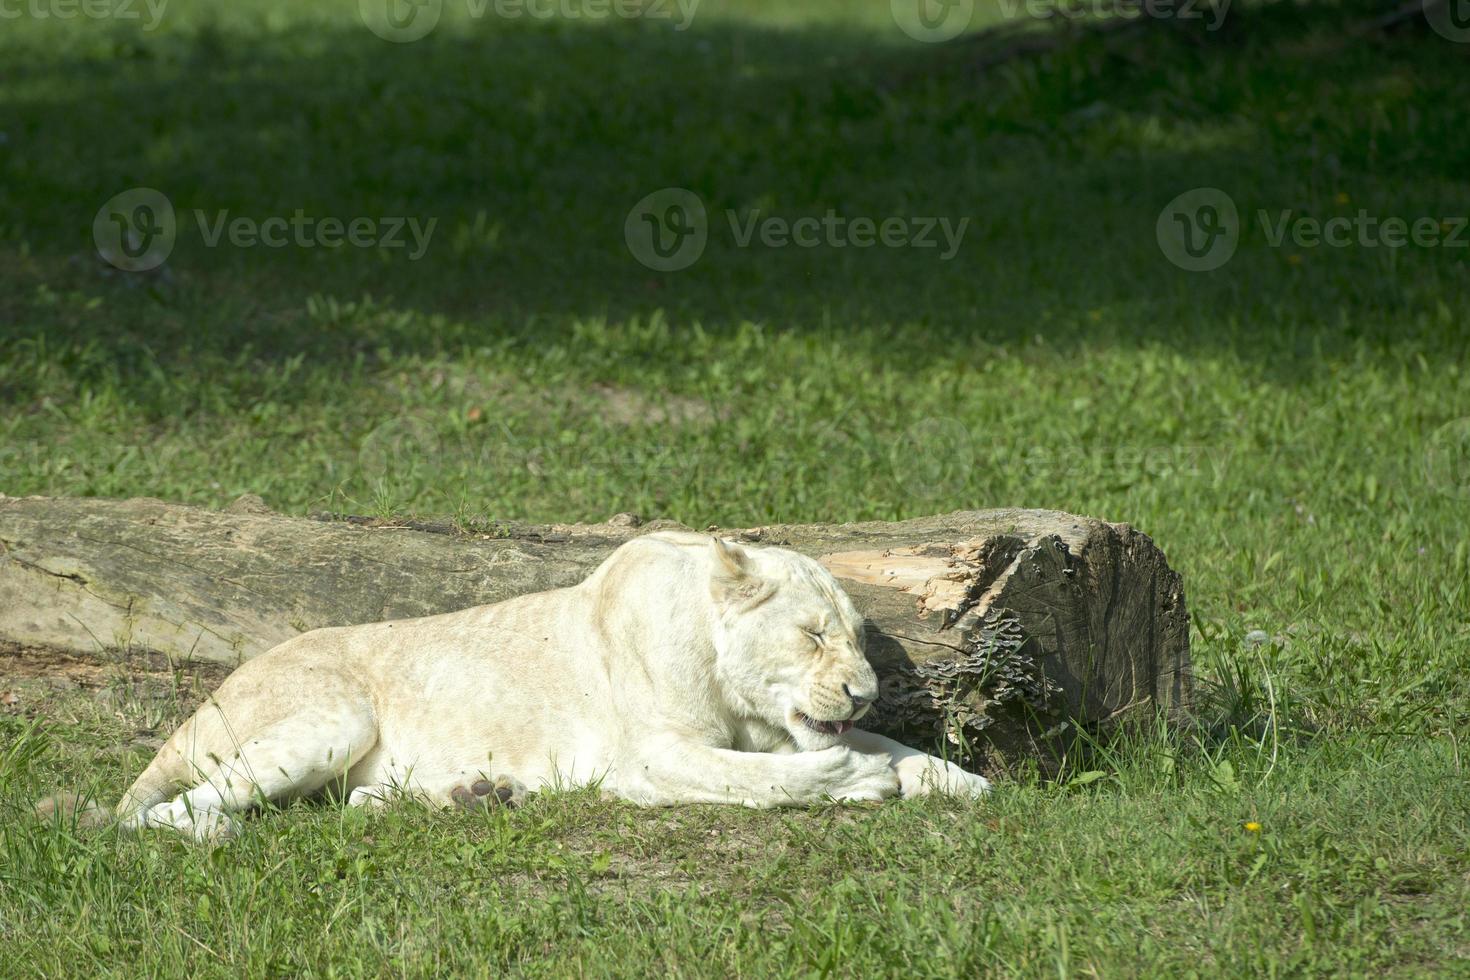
x=626, y=406
x=19, y=662
x=40, y=681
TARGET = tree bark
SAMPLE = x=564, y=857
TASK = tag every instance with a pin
x=992, y=631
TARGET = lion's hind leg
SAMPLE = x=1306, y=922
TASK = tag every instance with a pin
x=294, y=757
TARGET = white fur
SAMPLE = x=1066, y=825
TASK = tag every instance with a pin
x=680, y=671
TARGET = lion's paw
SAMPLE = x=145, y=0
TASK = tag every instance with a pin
x=925, y=777
x=861, y=776
x=216, y=827
x=206, y=825
x=483, y=794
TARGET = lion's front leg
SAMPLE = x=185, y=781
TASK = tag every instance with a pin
x=674, y=770
x=919, y=773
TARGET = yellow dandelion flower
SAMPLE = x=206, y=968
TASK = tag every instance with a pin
x=1342, y=198
x=1252, y=826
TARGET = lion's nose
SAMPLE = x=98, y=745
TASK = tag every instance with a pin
x=859, y=701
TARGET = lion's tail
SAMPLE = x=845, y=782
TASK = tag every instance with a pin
x=157, y=783
x=88, y=813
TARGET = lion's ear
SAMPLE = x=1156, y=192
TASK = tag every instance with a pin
x=733, y=578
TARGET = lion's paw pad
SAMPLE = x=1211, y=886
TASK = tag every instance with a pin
x=502, y=791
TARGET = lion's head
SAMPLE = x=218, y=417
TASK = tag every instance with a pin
x=789, y=642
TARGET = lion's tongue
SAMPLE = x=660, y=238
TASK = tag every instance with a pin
x=828, y=727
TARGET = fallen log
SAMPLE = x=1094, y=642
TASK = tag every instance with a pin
x=992, y=631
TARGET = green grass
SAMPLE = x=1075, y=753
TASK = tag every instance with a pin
x=1148, y=872
x=1284, y=426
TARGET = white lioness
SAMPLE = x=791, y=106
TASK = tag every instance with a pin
x=683, y=670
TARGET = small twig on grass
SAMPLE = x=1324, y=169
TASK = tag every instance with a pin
x=1044, y=43
x=196, y=941
x=1275, y=727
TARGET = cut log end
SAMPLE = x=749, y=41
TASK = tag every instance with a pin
x=1009, y=638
